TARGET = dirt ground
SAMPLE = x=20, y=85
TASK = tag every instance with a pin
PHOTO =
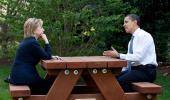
x=165, y=70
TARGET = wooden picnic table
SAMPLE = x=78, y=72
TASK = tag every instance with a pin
x=86, y=78
x=97, y=72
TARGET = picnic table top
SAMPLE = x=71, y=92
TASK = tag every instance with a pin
x=84, y=62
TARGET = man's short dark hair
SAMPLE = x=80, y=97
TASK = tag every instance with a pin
x=134, y=17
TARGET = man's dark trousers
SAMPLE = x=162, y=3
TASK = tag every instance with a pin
x=141, y=73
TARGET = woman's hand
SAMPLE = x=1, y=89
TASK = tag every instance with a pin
x=44, y=37
x=56, y=57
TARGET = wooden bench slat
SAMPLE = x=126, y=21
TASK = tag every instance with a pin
x=19, y=91
x=86, y=97
x=35, y=97
x=134, y=96
x=146, y=87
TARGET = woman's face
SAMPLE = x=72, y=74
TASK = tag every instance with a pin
x=38, y=31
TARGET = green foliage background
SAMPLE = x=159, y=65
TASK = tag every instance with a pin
x=84, y=27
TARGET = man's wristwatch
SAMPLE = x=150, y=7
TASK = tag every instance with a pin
x=118, y=56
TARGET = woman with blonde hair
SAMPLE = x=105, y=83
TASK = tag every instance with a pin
x=28, y=56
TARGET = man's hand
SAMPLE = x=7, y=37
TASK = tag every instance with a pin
x=111, y=53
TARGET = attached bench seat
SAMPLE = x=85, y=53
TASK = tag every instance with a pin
x=19, y=91
x=23, y=92
x=145, y=91
x=149, y=89
x=146, y=87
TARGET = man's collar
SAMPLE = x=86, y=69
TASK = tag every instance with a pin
x=136, y=32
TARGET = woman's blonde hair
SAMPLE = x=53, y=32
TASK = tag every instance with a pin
x=30, y=25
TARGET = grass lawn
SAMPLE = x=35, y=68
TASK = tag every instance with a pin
x=4, y=94
x=164, y=81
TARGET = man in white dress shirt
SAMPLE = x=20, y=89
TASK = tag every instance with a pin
x=141, y=55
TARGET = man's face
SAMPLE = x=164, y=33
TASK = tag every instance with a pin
x=129, y=25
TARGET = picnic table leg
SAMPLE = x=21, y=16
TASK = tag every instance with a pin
x=108, y=85
x=63, y=85
x=154, y=97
